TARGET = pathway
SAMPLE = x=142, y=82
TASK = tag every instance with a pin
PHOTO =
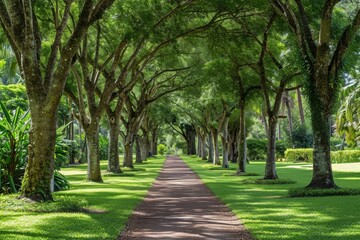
x=180, y=206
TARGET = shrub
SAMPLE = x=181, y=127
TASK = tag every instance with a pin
x=14, y=139
x=345, y=156
x=302, y=137
x=103, y=147
x=60, y=182
x=161, y=149
x=256, y=149
x=299, y=154
x=306, y=155
x=281, y=147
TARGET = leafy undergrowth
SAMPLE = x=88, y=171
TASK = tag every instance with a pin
x=267, y=181
x=269, y=213
x=312, y=192
x=73, y=214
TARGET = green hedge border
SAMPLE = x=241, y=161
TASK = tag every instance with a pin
x=306, y=155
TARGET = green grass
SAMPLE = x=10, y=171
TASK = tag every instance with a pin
x=113, y=201
x=268, y=212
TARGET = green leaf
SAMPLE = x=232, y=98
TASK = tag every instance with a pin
x=6, y=112
x=16, y=117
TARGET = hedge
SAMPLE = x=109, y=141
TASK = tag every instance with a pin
x=256, y=149
x=306, y=155
x=345, y=156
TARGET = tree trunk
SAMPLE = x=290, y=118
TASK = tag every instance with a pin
x=270, y=169
x=199, y=145
x=153, y=143
x=92, y=137
x=128, y=155
x=192, y=142
x=211, y=149
x=82, y=146
x=144, y=148
x=225, y=142
x=203, y=147
x=114, y=162
x=263, y=118
x=289, y=116
x=225, y=161
x=40, y=165
x=322, y=171
x=71, y=138
x=138, y=150
x=216, y=158
x=242, y=143
x=279, y=131
x=147, y=147
x=301, y=109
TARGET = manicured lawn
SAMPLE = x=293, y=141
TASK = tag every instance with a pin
x=118, y=196
x=269, y=214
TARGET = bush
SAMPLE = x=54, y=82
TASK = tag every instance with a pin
x=281, y=147
x=161, y=149
x=306, y=155
x=256, y=149
x=60, y=182
x=302, y=137
x=299, y=155
x=345, y=156
x=103, y=147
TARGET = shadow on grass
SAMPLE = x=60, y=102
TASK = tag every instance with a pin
x=117, y=196
x=269, y=214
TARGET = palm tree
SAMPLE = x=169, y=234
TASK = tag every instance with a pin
x=8, y=65
x=348, y=117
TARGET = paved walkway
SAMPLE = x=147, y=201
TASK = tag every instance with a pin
x=180, y=206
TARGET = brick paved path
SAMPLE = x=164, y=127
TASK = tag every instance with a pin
x=180, y=206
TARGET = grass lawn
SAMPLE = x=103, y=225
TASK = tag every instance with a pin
x=118, y=196
x=269, y=214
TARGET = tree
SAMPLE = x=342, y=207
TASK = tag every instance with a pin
x=45, y=73
x=323, y=58
x=348, y=116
